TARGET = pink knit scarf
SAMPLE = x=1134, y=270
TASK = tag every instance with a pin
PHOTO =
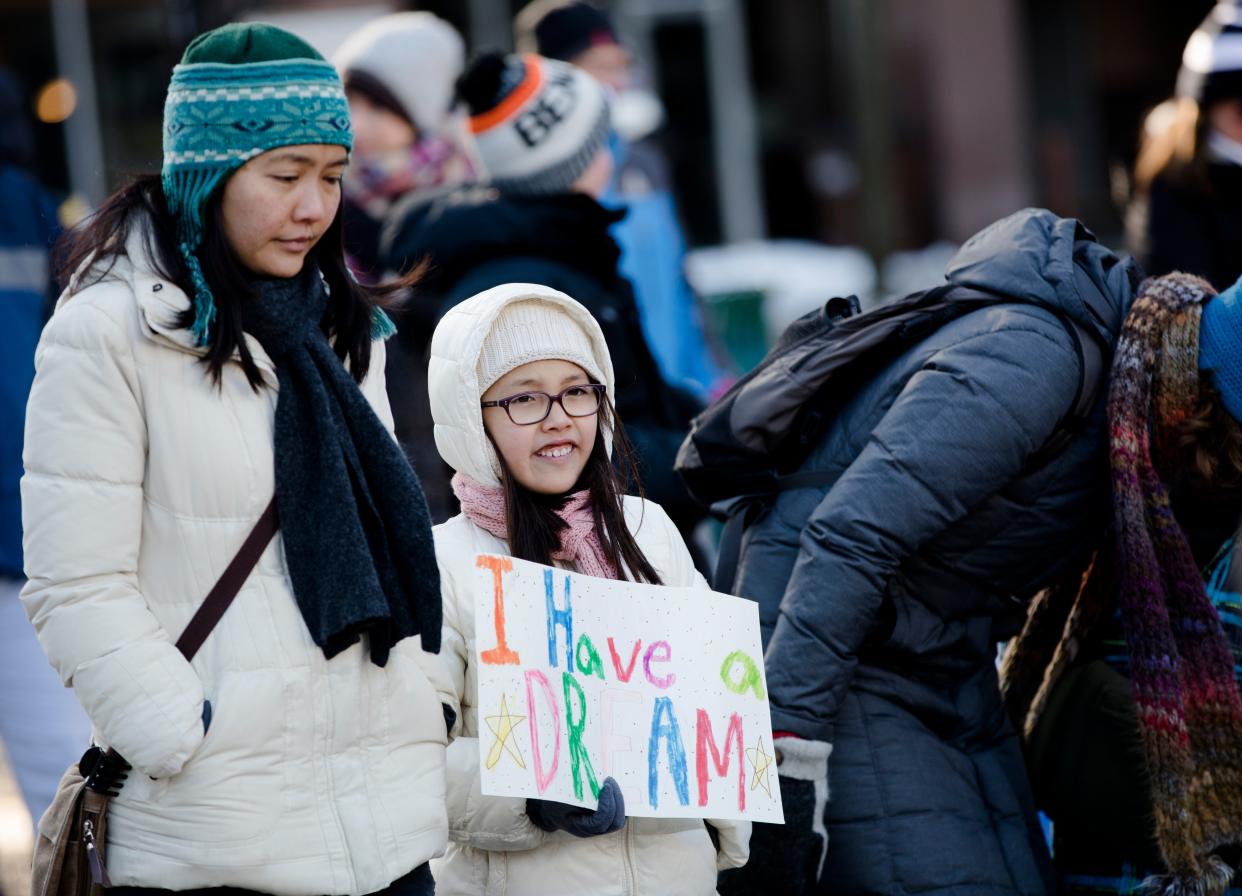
x=484, y=506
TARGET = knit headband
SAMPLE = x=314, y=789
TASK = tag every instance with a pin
x=218, y=116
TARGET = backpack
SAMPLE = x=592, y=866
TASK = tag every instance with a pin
x=748, y=446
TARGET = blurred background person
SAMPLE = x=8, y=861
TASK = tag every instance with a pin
x=1187, y=210
x=41, y=725
x=1124, y=681
x=652, y=245
x=541, y=128
x=411, y=146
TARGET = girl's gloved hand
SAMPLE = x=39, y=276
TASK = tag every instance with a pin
x=607, y=817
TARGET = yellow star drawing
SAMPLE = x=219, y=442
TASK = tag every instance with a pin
x=502, y=726
x=761, y=761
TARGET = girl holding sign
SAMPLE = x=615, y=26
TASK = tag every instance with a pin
x=521, y=383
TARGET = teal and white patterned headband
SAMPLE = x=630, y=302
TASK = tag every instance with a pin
x=219, y=116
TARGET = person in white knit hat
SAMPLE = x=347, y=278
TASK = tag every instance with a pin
x=411, y=143
x=411, y=146
x=521, y=385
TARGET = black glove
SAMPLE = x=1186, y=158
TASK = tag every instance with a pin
x=787, y=859
x=607, y=817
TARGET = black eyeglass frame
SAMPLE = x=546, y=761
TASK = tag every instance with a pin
x=599, y=389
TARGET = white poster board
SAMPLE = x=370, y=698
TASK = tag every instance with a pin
x=582, y=678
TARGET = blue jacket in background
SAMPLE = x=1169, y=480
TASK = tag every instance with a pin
x=28, y=228
x=652, y=252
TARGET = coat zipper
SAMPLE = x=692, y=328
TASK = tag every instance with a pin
x=331, y=782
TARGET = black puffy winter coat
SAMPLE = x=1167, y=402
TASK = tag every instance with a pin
x=882, y=596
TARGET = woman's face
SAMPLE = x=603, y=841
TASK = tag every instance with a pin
x=277, y=206
x=377, y=130
x=548, y=457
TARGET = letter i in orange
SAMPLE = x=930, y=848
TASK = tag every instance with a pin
x=500, y=655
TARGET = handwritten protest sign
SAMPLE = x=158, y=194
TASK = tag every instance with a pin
x=581, y=678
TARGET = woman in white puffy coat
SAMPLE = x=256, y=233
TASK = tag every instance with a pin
x=519, y=379
x=302, y=751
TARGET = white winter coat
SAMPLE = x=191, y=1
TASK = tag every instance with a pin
x=142, y=480
x=494, y=848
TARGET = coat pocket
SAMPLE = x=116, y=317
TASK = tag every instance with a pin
x=232, y=788
x=408, y=767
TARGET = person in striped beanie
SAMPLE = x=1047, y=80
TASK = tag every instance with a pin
x=239, y=91
x=1125, y=678
x=540, y=125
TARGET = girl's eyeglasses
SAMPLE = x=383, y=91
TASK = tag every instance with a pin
x=527, y=408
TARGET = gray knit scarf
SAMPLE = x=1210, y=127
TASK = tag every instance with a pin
x=357, y=535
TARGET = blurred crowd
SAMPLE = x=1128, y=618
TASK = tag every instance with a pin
x=1059, y=471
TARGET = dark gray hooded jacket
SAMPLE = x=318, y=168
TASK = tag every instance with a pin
x=882, y=596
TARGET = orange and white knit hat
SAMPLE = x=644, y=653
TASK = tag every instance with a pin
x=537, y=123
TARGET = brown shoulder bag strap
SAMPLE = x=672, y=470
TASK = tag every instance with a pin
x=112, y=766
x=230, y=582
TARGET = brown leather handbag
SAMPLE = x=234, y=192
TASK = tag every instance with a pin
x=69, y=849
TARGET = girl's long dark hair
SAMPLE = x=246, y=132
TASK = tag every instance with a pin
x=91, y=249
x=534, y=528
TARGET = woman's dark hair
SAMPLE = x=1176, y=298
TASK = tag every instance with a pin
x=534, y=528
x=95, y=244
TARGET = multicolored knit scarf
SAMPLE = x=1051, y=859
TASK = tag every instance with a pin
x=432, y=166
x=239, y=91
x=1181, y=668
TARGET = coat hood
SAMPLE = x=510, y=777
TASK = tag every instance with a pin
x=452, y=378
x=1054, y=262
